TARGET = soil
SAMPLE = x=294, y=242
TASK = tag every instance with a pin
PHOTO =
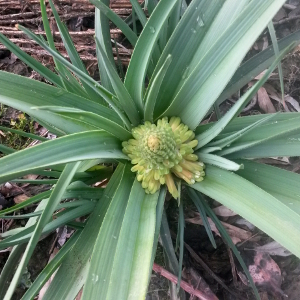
x=277, y=276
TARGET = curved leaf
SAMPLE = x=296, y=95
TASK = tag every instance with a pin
x=256, y=205
x=74, y=147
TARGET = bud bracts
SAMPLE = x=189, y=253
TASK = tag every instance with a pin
x=158, y=152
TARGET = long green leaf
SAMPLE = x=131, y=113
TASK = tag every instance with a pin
x=213, y=131
x=31, y=62
x=71, y=50
x=136, y=72
x=130, y=35
x=255, y=65
x=50, y=268
x=153, y=89
x=102, y=34
x=54, y=199
x=35, y=94
x=72, y=273
x=96, y=121
x=256, y=205
x=213, y=72
x=264, y=134
x=125, y=99
x=100, y=90
x=219, y=161
x=282, y=184
x=182, y=45
x=75, y=147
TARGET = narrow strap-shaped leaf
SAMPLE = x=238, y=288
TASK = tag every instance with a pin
x=256, y=205
x=121, y=92
x=127, y=250
x=219, y=161
x=255, y=65
x=203, y=216
x=102, y=34
x=80, y=146
x=282, y=184
x=6, y=150
x=140, y=13
x=130, y=35
x=100, y=90
x=231, y=47
x=213, y=131
x=222, y=142
x=153, y=89
x=285, y=145
x=50, y=268
x=25, y=203
x=97, y=121
x=181, y=225
x=71, y=50
x=31, y=62
x=136, y=72
x=264, y=134
x=167, y=243
x=14, y=257
x=72, y=274
x=20, y=235
x=159, y=212
x=230, y=243
x=276, y=51
x=98, y=280
x=54, y=199
x=25, y=134
x=35, y=94
x=182, y=45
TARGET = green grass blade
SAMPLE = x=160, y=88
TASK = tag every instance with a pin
x=245, y=198
x=21, y=235
x=54, y=199
x=153, y=89
x=50, y=268
x=75, y=147
x=213, y=131
x=136, y=72
x=31, y=62
x=96, y=121
x=212, y=74
x=130, y=35
x=121, y=92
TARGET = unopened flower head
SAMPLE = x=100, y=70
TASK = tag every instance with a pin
x=162, y=152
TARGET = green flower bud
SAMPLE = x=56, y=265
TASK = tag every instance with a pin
x=162, y=152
